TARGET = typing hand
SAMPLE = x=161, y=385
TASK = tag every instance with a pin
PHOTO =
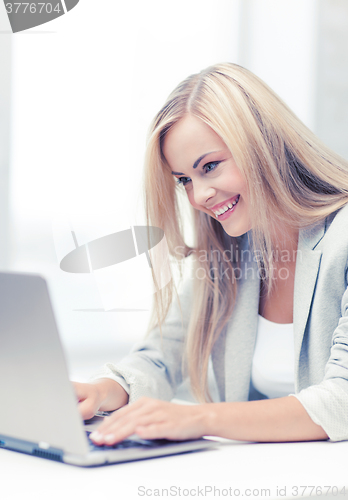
x=104, y=394
x=89, y=399
x=153, y=419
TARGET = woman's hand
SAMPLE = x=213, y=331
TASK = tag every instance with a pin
x=153, y=419
x=104, y=394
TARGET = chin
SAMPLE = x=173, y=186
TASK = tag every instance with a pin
x=235, y=232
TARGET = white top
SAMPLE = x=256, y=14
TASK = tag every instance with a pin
x=273, y=363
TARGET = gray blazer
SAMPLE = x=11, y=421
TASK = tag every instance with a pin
x=320, y=334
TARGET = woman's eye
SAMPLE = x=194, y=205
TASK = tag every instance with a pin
x=208, y=167
x=183, y=180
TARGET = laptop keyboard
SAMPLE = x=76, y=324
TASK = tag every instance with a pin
x=128, y=443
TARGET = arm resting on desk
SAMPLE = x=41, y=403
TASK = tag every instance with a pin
x=267, y=420
x=282, y=419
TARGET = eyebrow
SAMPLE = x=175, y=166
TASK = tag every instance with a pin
x=196, y=163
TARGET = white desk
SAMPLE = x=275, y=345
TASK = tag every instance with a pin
x=235, y=465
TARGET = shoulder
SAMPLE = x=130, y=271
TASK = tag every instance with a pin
x=338, y=219
x=327, y=235
x=336, y=229
x=334, y=243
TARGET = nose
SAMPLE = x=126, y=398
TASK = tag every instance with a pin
x=202, y=191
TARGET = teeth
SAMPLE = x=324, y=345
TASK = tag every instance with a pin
x=223, y=209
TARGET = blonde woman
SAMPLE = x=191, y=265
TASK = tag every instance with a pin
x=267, y=300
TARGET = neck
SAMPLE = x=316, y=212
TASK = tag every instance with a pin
x=285, y=238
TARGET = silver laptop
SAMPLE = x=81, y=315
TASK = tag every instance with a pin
x=39, y=413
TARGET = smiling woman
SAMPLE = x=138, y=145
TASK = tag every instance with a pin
x=270, y=206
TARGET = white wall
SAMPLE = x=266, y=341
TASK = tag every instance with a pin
x=279, y=44
x=331, y=121
x=86, y=87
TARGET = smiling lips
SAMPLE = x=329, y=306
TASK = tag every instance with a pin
x=226, y=207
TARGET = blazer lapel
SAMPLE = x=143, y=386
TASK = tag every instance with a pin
x=306, y=273
x=232, y=354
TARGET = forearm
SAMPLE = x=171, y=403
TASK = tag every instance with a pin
x=267, y=420
x=111, y=394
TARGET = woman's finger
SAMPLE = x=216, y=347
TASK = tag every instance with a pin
x=121, y=429
x=87, y=397
x=87, y=409
x=80, y=390
x=131, y=411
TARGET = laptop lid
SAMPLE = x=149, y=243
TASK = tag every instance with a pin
x=39, y=413
x=38, y=404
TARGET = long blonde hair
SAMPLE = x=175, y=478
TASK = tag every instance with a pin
x=291, y=176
